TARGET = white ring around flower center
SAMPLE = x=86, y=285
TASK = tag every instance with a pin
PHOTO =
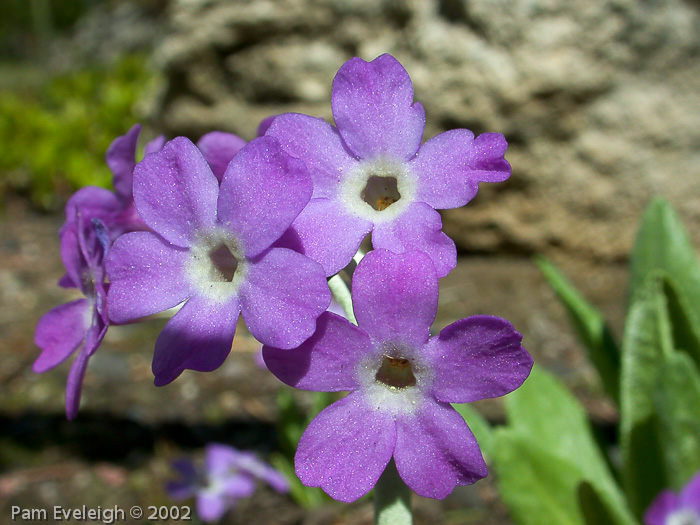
x=216, y=265
x=354, y=189
x=682, y=517
x=387, y=398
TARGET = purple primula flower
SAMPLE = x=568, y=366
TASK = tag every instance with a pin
x=371, y=174
x=401, y=382
x=211, y=248
x=671, y=509
x=116, y=210
x=62, y=330
x=228, y=475
x=218, y=148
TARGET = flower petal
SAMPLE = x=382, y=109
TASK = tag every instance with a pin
x=85, y=204
x=198, y=337
x=345, y=448
x=210, y=507
x=318, y=144
x=451, y=165
x=154, y=145
x=419, y=228
x=120, y=158
x=281, y=297
x=325, y=362
x=663, y=505
x=218, y=149
x=435, y=451
x=262, y=192
x=76, y=374
x=395, y=296
x=265, y=125
x=477, y=358
x=146, y=276
x=373, y=108
x=222, y=460
x=237, y=486
x=690, y=495
x=324, y=232
x=175, y=191
x=184, y=486
x=59, y=332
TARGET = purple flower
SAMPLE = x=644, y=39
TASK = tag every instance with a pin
x=115, y=209
x=218, y=148
x=84, y=322
x=210, y=247
x=401, y=382
x=671, y=509
x=371, y=174
x=228, y=475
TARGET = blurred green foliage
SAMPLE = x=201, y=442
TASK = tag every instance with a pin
x=53, y=134
x=551, y=467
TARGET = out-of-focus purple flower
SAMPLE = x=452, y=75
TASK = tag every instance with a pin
x=669, y=508
x=228, y=475
x=371, y=174
x=401, y=382
x=63, y=329
x=211, y=248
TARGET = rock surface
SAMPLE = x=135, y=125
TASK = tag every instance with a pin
x=598, y=100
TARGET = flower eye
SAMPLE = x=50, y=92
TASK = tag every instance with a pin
x=396, y=372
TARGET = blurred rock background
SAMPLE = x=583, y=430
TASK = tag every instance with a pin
x=599, y=102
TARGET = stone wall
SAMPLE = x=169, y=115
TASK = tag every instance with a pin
x=599, y=100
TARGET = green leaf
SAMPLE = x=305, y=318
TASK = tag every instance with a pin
x=547, y=420
x=593, y=508
x=685, y=333
x=538, y=487
x=663, y=244
x=646, y=339
x=590, y=327
x=677, y=403
x=479, y=426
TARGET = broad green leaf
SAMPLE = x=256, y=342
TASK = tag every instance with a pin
x=538, y=487
x=545, y=415
x=593, y=508
x=685, y=333
x=677, y=403
x=646, y=339
x=590, y=327
x=663, y=244
x=479, y=426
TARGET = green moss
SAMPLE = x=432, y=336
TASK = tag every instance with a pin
x=53, y=135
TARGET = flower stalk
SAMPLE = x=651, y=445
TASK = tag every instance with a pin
x=392, y=499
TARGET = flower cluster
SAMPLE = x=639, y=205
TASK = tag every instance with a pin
x=226, y=229
x=226, y=476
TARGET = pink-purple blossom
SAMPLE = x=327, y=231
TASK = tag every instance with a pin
x=401, y=381
x=227, y=475
x=63, y=329
x=371, y=173
x=210, y=247
x=669, y=508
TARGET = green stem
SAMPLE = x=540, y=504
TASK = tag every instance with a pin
x=392, y=499
x=341, y=293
